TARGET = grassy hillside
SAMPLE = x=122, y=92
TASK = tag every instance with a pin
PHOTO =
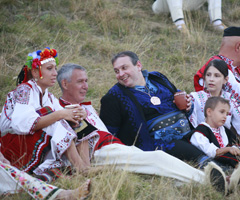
x=89, y=32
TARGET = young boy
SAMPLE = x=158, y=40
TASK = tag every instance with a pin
x=212, y=137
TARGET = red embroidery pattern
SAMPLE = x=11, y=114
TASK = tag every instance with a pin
x=64, y=144
x=216, y=132
x=22, y=94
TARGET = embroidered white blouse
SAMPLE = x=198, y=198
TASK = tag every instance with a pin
x=199, y=99
x=19, y=114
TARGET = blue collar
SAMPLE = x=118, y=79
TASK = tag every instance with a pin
x=149, y=86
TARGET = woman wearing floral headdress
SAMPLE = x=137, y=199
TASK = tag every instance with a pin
x=35, y=135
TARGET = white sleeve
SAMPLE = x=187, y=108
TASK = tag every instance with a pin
x=235, y=119
x=234, y=85
x=193, y=116
x=202, y=143
x=24, y=117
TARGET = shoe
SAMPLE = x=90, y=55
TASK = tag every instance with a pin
x=234, y=179
x=216, y=177
x=183, y=29
x=219, y=27
x=203, y=162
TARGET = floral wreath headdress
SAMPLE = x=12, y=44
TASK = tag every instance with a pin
x=37, y=58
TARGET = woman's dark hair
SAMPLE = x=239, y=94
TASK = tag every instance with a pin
x=21, y=75
x=220, y=65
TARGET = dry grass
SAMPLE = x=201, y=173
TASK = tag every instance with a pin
x=89, y=33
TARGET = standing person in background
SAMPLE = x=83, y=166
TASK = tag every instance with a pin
x=176, y=7
x=230, y=53
x=35, y=134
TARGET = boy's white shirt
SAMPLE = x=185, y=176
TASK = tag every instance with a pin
x=203, y=143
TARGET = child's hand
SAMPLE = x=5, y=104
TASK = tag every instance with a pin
x=234, y=151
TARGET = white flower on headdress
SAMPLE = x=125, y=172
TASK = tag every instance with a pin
x=34, y=55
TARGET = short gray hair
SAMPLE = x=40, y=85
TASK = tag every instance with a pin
x=65, y=72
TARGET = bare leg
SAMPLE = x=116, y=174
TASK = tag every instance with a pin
x=83, y=151
x=78, y=194
x=75, y=159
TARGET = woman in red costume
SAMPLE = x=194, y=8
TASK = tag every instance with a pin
x=35, y=135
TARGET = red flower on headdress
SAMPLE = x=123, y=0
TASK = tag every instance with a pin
x=53, y=52
x=35, y=63
x=45, y=54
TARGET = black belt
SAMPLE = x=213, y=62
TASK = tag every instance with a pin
x=170, y=119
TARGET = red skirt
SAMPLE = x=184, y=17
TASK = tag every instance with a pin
x=25, y=152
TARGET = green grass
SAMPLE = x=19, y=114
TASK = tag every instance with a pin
x=89, y=33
